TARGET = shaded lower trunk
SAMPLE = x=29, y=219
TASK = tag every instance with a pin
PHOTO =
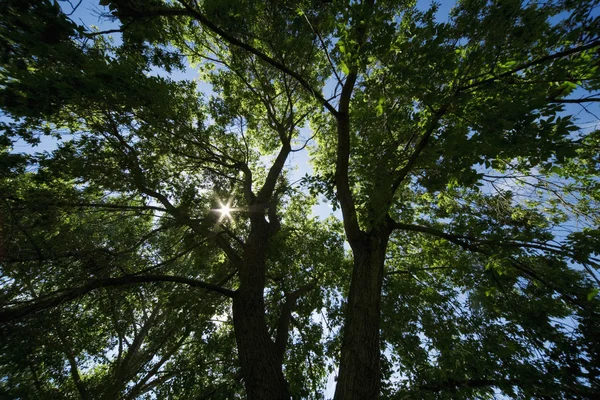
x=359, y=374
x=261, y=365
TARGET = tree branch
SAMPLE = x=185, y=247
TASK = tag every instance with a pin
x=192, y=12
x=532, y=63
x=283, y=324
x=467, y=240
x=466, y=243
x=64, y=295
x=125, y=369
x=323, y=45
x=74, y=370
x=453, y=384
x=402, y=173
x=342, y=183
x=266, y=192
x=139, y=181
x=576, y=101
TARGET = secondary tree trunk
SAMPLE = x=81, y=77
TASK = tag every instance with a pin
x=261, y=366
x=359, y=374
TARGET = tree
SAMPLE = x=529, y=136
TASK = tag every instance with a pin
x=468, y=197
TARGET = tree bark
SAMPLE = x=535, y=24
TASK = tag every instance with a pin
x=359, y=374
x=261, y=367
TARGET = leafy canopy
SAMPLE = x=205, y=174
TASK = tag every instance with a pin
x=463, y=138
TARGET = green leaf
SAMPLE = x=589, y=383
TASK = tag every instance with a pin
x=379, y=107
x=344, y=67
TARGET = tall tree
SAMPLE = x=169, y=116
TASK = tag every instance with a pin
x=468, y=196
x=207, y=206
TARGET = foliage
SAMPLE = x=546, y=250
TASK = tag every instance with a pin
x=451, y=147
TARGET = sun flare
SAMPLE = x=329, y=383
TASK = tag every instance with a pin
x=225, y=210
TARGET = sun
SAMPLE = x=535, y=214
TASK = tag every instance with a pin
x=225, y=210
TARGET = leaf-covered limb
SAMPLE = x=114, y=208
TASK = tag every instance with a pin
x=189, y=10
x=285, y=316
x=475, y=245
x=577, y=101
x=401, y=174
x=64, y=295
x=469, y=242
x=471, y=383
x=532, y=63
x=73, y=368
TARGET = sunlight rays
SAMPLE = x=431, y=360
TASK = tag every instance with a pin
x=225, y=210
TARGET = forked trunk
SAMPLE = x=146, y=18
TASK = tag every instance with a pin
x=359, y=373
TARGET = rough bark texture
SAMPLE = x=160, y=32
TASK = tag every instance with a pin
x=359, y=374
x=259, y=361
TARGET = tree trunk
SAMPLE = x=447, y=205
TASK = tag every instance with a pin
x=359, y=374
x=261, y=366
